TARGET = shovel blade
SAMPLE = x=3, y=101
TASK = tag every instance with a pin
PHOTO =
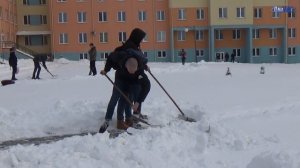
x=185, y=118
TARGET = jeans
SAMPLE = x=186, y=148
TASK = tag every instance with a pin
x=131, y=91
x=115, y=97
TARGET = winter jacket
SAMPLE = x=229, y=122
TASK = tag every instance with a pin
x=93, y=53
x=117, y=60
x=42, y=59
x=13, y=61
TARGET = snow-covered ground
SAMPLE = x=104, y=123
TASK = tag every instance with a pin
x=254, y=118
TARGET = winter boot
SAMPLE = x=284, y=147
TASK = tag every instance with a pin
x=104, y=126
x=129, y=121
x=122, y=125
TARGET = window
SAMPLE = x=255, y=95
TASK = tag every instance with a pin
x=236, y=34
x=0, y=11
x=63, y=38
x=255, y=33
x=161, y=36
x=199, y=53
x=292, y=32
x=145, y=54
x=26, y=19
x=103, y=37
x=34, y=2
x=275, y=14
x=240, y=12
x=104, y=55
x=219, y=35
x=273, y=33
x=102, y=16
x=200, y=14
x=237, y=52
x=61, y=0
x=62, y=17
x=121, y=16
x=83, y=56
x=81, y=17
x=145, y=39
x=161, y=54
x=122, y=36
x=199, y=34
x=222, y=12
x=82, y=38
x=35, y=19
x=181, y=14
x=255, y=52
x=142, y=16
x=43, y=19
x=291, y=51
x=36, y=40
x=273, y=51
x=292, y=14
x=181, y=36
x=257, y=13
x=160, y=15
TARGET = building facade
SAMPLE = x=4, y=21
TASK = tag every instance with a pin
x=254, y=31
x=8, y=24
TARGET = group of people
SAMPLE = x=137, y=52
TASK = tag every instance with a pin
x=13, y=63
x=130, y=65
x=131, y=84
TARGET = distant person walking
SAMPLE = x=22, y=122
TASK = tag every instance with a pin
x=232, y=57
x=226, y=57
x=13, y=62
x=92, y=54
x=183, y=56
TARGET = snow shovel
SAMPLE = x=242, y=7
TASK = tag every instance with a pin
x=182, y=116
x=48, y=71
x=128, y=101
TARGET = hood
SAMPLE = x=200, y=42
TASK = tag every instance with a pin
x=136, y=36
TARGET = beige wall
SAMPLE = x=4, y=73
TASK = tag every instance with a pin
x=269, y=2
x=188, y=3
x=231, y=6
x=32, y=10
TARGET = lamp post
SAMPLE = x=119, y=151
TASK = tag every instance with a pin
x=195, y=38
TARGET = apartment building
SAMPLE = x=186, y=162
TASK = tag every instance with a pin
x=7, y=25
x=108, y=23
x=33, y=30
x=253, y=31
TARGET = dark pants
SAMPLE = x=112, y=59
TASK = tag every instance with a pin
x=14, y=71
x=130, y=90
x=93, y=68
x=115, y=97
x=183, y=60
x=37, y=70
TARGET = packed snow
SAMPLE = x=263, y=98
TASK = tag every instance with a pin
x=253, y=119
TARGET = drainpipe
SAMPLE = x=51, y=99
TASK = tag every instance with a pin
x=286, y=34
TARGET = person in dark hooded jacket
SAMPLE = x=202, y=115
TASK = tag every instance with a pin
x=93, y=55
x=117, y=60
x=37, y=68
x=13, y=62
